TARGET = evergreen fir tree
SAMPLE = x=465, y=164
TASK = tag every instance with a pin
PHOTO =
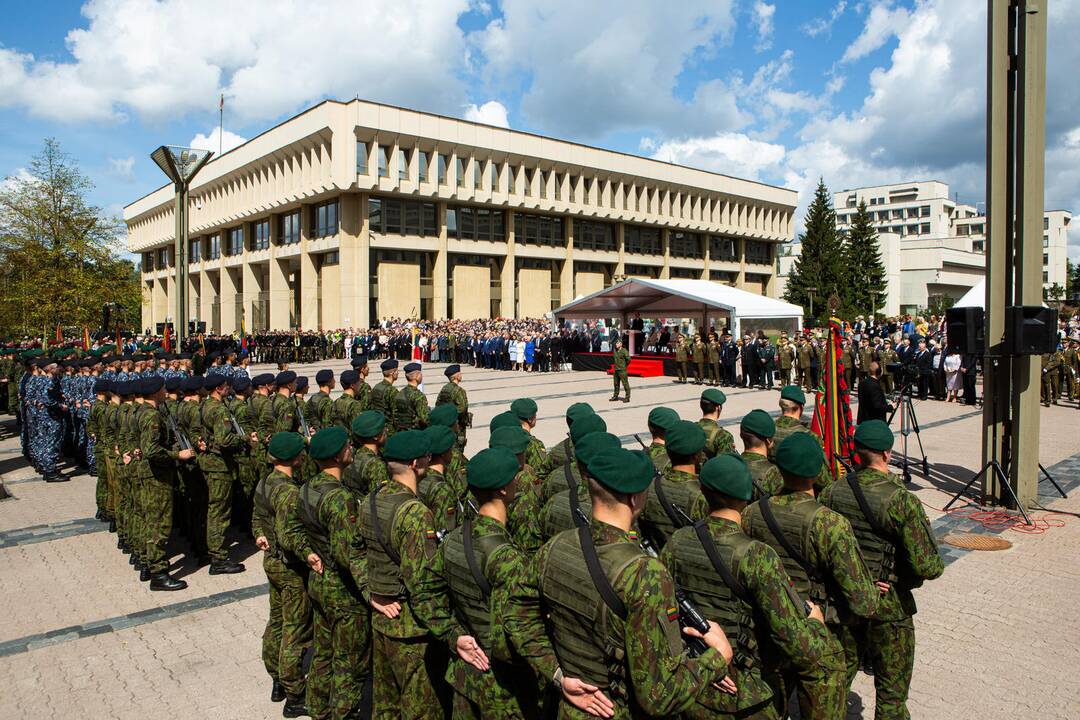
x=821, y=263
x=863, y=290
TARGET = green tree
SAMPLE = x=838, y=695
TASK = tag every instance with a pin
x=821, y=263
x=61, y=258
x=863, y=291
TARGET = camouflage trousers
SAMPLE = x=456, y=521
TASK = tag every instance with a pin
x=193, y=512
x=620, y=377
x=156, y=509
x=408, y=678
x=341, y=664
x=288, y=632
x=503, y=693
x=218, y=512
x=123, y=500
x=101, y=492
x=888, y=648
x=820, y=690
x=109, y=466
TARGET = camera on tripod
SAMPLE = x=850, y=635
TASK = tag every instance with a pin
x=904, y=373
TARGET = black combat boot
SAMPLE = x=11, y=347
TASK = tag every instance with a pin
x=294, y=707
x=277, y=692
x=144, y=575
x=226, y=568
x=166, y=582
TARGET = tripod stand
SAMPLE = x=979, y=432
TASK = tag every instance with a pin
x=909, y=423
x=993, y=466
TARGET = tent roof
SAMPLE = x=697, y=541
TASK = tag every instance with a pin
x=975, y=297
x=668, y=298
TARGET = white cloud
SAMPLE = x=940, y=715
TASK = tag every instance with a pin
x=20, y=175
x=492, y=112
x=163, y=59
x=883, y=22
x=226, y=141
x=122, y=168
x=763, y=22
x=820, y=25
x=728, y=153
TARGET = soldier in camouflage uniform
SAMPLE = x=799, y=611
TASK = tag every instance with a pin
x=558, y=454
x=712, y=354
x=367, y=470
x=384, y=394
x=681, y=356
x=698, y=354
x=570, y=508
x=452, y=393
x=756, y=430
x=324, y=532
x=95, y=430
x=288, y=631
x=260, y=397
x=318, y=408
x=1051, y=381
x=525, y=511
x=346, y=407
x=219, y=445
x=611, y=609
x=447, y=416
x=524, y=409
x=444, y=497
x=188, y=422
x=898, y=545
x=741, y=584
x=620, y=358
x=674, y=499
x=661, y=419
x=363, y=390
x=821, y=555
x=717, y=439
x=411, y=406
x=792, y=401
x=556, y=481
x=247, y=475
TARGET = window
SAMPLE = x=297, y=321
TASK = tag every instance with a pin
x=215, y=247
x=685, y=273
x=758, y=253
x=1046, y=223
x=977, y=246
x=686, y=245
x=147, y=261
x=881, y=201
x=403, y=164
x=290, y=228
x=1046, y=259
x=650, y=271
x=913, y=212
x=324, y=219
x=722, y=249
x=925, y=228
x=390, y=216
x=963, y=230
x=494, y=176
x=642, y=240
x=977, y=229
x=873, y=201
x=591, y=235
x=361, y=158
x=924, y=211
x=384, y=161
x=330, y=258
x=897, y=214
x=424, y=159
x=195, y=250
x=162, y=258
x=478, y=174
x=913, y=229
x=461, y=172
x=1046, y=241
x=260, y=235
x=443, y=162
x=1046, y=276
x=883, y=215
x=234, y=241
x=543, y=184
x=542, y=230
x=724, y=276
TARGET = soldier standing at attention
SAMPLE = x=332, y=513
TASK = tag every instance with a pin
x=620, y=361
x=866, y=357
x=611, y=609
x=674, y=499
x=898, y=545
x=524, y=409
x=819, y=550
x=792, y=400
x=443, y=498
x=447, y=416
x=717, y=439
x=681, y=357
x=247, y=473
x=288, y=631
x=786, y=355
x=698, y=354
x=887, y=356
x=324, y=532
x=346, y=407
x=367, y=470
x=219, y=446
x=1051, y=383
x=411, y=407
x=260, y=396
x=756, y=431
x=802, y=358
x=741, y=584
x=661, y=419
x=1071, y=365
x=384, y=394
x=363, y=390
x=714, y=360
x=452, y=393
x=319, y=405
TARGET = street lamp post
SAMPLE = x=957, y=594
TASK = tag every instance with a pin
x=811, y=290
x=181, y=164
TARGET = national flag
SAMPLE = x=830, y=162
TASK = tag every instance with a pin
x=86, y=338
x=673, y=613
x=59, y=334
x=119, y=343
x=243, y=336
x=202, y=342
x=168, y=338
x=832, y=409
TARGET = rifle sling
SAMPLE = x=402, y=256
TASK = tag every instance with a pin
x=470, y=558
x=718, y=563
x=774, y=528
x=600, y=580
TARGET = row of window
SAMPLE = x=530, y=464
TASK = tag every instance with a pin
x=883, y=215
x=389, y=216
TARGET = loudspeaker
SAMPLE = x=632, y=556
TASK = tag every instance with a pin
x=966, y=331
x=1030, y=330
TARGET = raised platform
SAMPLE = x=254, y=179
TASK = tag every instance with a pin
x=646, y=365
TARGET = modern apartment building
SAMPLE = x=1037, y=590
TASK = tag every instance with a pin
x=352, y=212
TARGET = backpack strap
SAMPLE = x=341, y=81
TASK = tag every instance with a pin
x=718, y=563
x=600, y=580
x=470, y=558
x=575, y=506
x=774, y=528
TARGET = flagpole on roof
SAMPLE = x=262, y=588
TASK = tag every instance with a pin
x=221, y=122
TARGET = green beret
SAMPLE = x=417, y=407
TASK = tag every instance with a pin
x=491, y=469
x=369, y=424
x=585, y=425
x=728, y=473
x=800, y=455
x=327, y=442
x=577, y=411
x=623, y=471
x=874, y=434
x=716, y=397
x=514, y=439
x=758, y=422
x=593, y=443
x=504, y=420
x=685, y=438
x=793, y=393
x=445, y=415
x=524, y=408
x=663, y=417
x=441, y=438
x=285, y=445
x=407, y=446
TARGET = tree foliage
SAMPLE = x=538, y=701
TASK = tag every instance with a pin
x=863, y=291
x=821, y=263
x=61, y=258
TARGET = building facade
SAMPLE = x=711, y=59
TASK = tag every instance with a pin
x=354, y=212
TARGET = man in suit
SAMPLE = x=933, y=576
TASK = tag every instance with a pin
x=924, y=361
x=969, y=369
x=872, y=402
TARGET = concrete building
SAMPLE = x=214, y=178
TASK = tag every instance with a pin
x=352, y=212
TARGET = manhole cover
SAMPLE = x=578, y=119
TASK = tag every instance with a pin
x=972, y=541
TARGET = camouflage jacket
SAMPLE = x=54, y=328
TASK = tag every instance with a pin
x=453, y=394
x=717, y=439
x=766, y=476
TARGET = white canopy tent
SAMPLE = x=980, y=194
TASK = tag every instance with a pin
x=975, y=297
x=698, y=299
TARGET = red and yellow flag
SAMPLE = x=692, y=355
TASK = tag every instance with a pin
x=86, y=338
x=59, y=334
x=168, y=338
x=832, y=409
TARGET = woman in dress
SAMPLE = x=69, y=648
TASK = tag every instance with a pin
x=512, y=350
x=530, y=353
x=954, y=381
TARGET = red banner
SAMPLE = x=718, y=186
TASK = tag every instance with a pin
x=832, y=409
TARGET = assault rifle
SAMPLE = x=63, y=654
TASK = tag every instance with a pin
x=181, y=438
x=235, y=425
x=689, y=615
x=304, y=429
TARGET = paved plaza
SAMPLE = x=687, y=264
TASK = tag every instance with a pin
x=998, y=634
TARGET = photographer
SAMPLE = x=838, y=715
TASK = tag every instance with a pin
x=872, y=402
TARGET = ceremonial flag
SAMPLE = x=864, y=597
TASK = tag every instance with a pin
x=86, y=338
x=243, y=336
x=119, y=343
x=59, y=334
x=832, y=409
x=202, y=342
x=168, y=338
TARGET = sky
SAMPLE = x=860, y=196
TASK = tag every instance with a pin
x=857, y=92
